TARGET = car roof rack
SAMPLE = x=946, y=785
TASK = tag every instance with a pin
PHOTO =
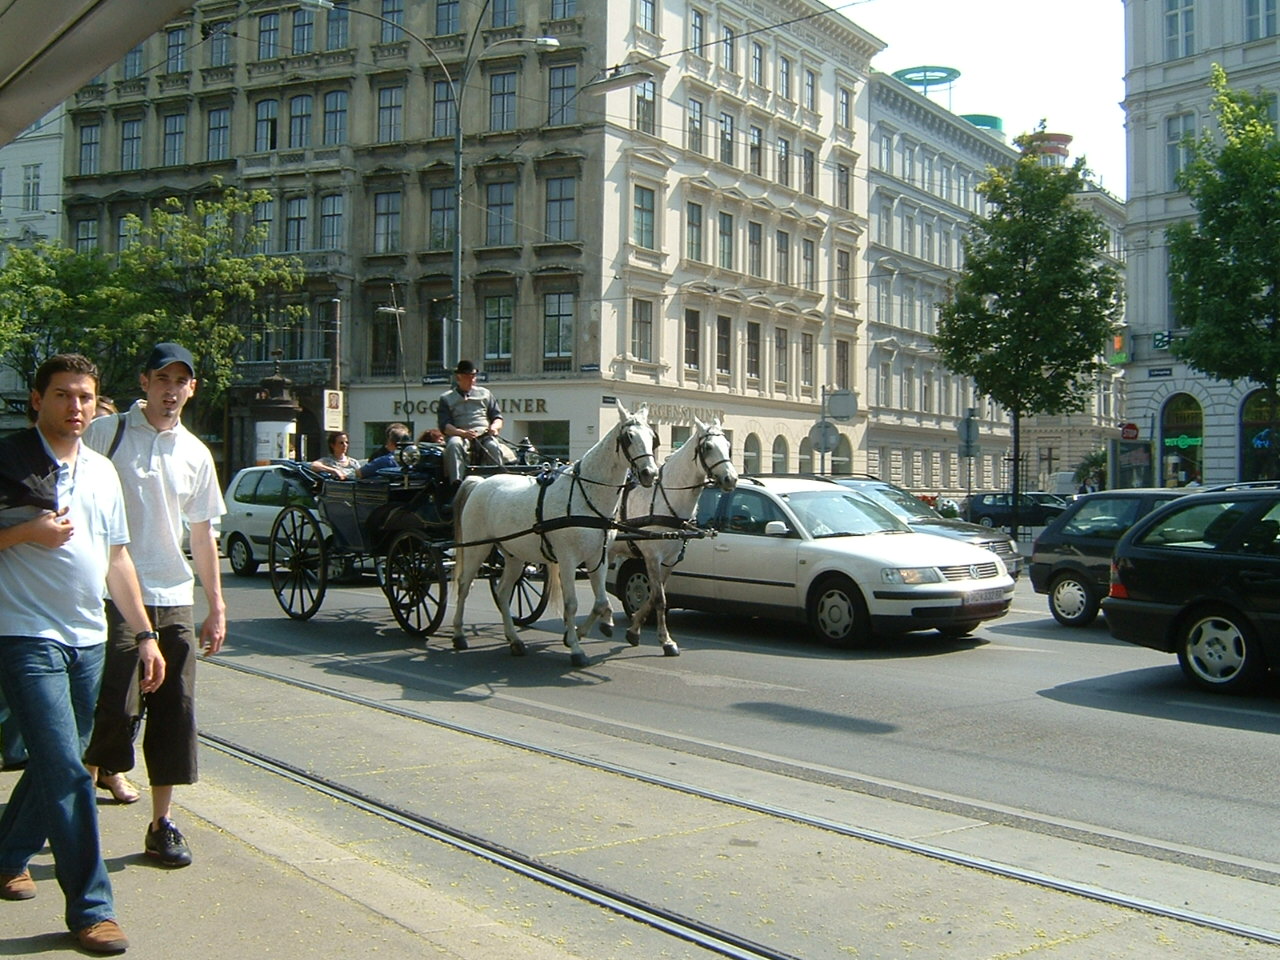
x=1240, y=485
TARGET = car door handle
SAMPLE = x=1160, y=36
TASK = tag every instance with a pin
x=1259, y=578
x=722, y=548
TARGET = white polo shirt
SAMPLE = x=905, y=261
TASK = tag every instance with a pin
x=167, y=477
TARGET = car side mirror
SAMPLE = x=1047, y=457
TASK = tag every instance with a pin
x=776, y=528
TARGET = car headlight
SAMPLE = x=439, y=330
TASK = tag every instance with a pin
x=910, y=575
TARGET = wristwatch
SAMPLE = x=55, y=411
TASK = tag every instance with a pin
x=146, y=635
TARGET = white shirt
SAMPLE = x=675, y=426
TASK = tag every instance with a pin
x=167, y=477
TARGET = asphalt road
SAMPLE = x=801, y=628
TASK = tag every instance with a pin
x=1064, y=729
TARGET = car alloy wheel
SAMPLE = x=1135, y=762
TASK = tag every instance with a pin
x=241, y=557
x=633, y=587
x=1072, y=601
x=1217, y=651
x=837, y=612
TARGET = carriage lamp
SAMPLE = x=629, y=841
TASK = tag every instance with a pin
x=408, y=455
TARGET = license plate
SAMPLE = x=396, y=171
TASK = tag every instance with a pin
x=985, y=596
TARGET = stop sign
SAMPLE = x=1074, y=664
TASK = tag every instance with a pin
x=1128, y=431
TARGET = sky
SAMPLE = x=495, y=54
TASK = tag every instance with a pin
x=1020, y=60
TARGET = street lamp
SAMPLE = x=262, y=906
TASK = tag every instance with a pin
x=457, y=87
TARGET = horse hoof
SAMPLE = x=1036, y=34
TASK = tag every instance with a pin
x=579, y=659
x=633, y=637
x=606, y=629
x=459, y=643
x=517, y=650
x=670, y=650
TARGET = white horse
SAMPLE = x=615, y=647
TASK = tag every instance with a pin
x=666, y=507
x=564, y=523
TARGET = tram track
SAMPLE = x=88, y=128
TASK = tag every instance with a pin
x=673, y=923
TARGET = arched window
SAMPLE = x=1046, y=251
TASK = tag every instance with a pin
x=781, y=455
x=751, y=454
x=842, y=455
x=1181, y=440
x=805, y=464
x=1257, y=438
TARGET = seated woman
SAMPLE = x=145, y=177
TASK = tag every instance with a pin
x=338, y=465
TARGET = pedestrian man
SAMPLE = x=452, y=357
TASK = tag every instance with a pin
x=468, y=414
x=62, y=537
x=168, y=478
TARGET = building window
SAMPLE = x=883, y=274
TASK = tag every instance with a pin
x=693, y=231
x=642, y=217
x=126, y=233
x=304, y=30
x=1179, y=28
x=504, y=13
x=692, y=339
x=268, y=36
x=1178, y=131
x=502, y=101
x=693, y=115
x=393, y=19
x=386, y=222
x=784, y=161
x=810, y=90
x=337, y=35
x=753, y=350
x=561, y=9
x=90, y=148
x=908, y=163
x=558, y=311
x=808, y=359
x=220, y=43
x=842, y=186
x=440, y=223
x=86, y=236
x=698, y=32
x=562, y=212
x=642, y=329
x=647, y=15
x=499, y=318
x=755, y=151
x=909, y=233
x=844, y=108
x=842, y=364
x=174, y=147
x=390, y=114
x=131, y=145
x=784, y=78
x=724, y=344
x=264, y=215
x=808, y=172
x=296, y=217
x=884, y=152
x=757, y=64
x=332, y=228
x=908, y=388
x=131, y=67
x=443, y=115
x=561, y=95
x=729, y=50
x=1259, y=19
x=264, y=130
x=726, y=138
x=844, y=285
x=782, y=256
x=724, y=241
x=500, y=214
x=755, y=249
x=218, y=139
x=809, y=264
x=300, y=121
x=884, y=224
x=175, y=60
x=781, y=359
x=646, y=118
x=335, y=118
x=384, y=341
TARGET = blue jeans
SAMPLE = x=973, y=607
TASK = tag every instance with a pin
x=12, y=749
x=52, y=690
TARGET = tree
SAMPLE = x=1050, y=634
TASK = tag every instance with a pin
x=1035, y=302
x=1225, y=264
x=204, y=280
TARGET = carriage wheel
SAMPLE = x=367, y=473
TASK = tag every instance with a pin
x=529, y=598
x=414, y=583
x=296, y=556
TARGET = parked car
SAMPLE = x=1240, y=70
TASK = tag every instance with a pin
x=811, y=550
x=1049, y=499
x=923, y=518
x=255, y=496
x=996, y=510
x=1200, y=577
x=1071, y=559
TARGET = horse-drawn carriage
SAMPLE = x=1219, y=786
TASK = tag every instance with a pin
x=528, y=528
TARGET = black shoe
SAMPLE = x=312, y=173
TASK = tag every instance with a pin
x=167, y=845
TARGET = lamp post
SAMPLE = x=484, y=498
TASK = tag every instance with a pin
x=457, y=87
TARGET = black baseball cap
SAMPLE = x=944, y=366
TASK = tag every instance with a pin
x=167, y=353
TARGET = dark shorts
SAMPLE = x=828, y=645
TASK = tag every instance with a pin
x=169, y=728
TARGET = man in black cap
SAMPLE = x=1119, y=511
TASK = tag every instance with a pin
x=168, y=477
x=468, y=414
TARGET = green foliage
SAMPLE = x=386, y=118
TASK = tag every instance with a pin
x=1093, y=465
x=1225, y=264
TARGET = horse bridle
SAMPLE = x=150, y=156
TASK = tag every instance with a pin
x=702, y=453
x=624, y=446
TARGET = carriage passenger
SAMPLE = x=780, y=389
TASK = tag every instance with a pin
x=337, y=464
x=397, y=434
x=468, y=415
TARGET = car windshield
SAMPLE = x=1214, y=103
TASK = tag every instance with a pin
x=899, y=502
x=831, y=513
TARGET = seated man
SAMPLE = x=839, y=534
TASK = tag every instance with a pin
x=468, y=413
x=397, y=434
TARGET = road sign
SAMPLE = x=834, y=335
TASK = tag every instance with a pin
x=842, y=405
x=968, y=431
x=1128, y=431
x=824, y=436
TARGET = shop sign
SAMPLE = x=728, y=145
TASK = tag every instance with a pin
x=1160, y=372
x=1183, y=441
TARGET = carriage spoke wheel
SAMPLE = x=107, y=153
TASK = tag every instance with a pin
x=296, y=556
x=529, y=598
x=413, y=580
